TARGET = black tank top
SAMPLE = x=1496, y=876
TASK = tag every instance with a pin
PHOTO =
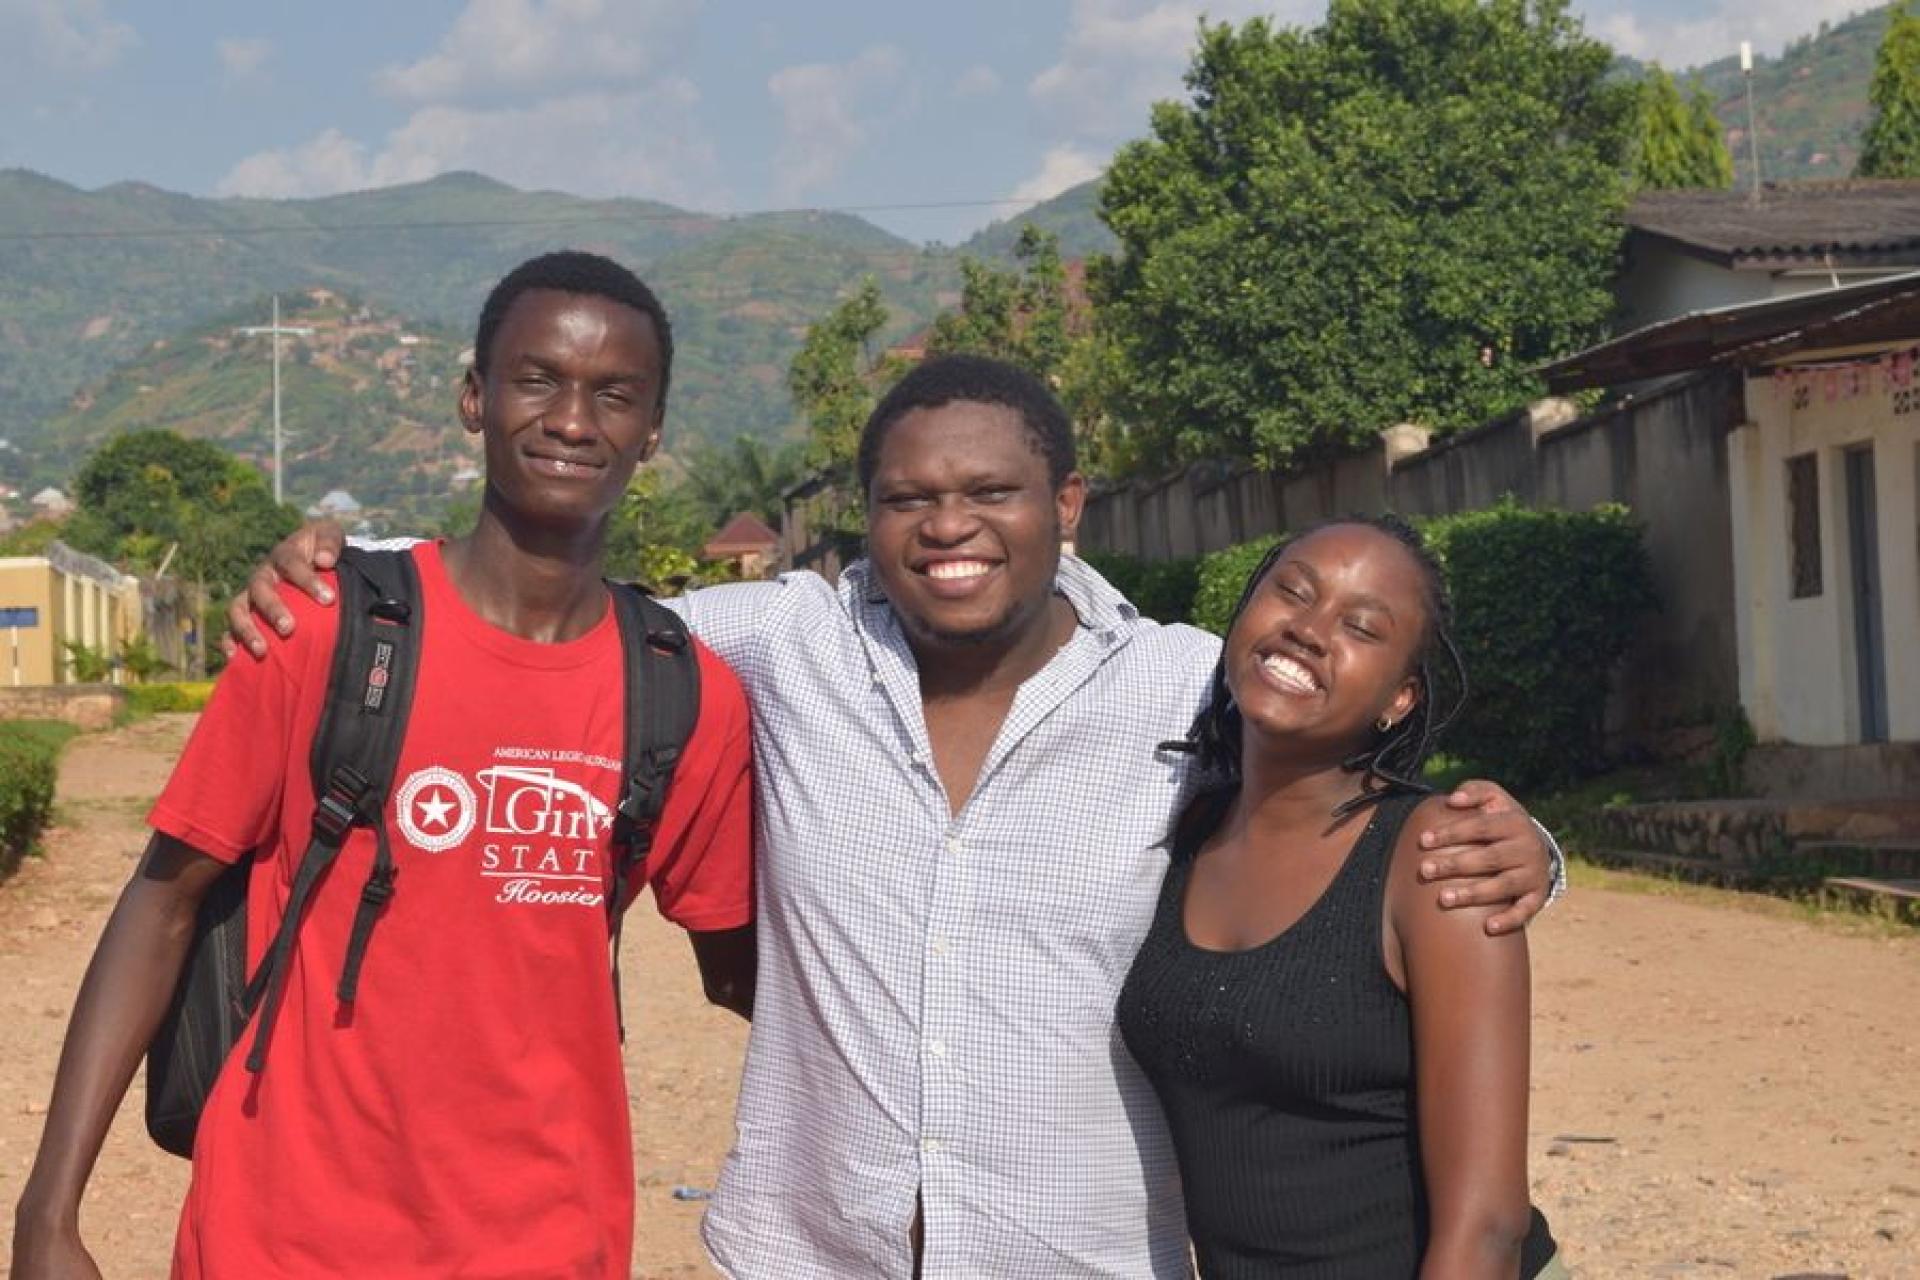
x=1286, y=1075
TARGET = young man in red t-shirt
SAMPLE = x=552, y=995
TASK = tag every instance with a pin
x=466, y=1114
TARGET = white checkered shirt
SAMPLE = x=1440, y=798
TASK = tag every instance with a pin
x=934, y=1016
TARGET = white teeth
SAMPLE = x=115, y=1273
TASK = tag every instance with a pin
x=1291, y=674
x=948, y=570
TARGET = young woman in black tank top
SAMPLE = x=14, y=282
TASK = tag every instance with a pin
x=1343, y=1065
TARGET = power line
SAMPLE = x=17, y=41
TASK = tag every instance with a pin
x=351, y=228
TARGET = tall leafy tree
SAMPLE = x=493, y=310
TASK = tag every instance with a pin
x=1020, y=315
x=1680, y=142
x=836, y=376
x=1891, y=148
x=746, y=475
x=1391, y=217
x=146, y=492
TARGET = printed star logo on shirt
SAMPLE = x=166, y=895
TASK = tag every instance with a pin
x=434, y=809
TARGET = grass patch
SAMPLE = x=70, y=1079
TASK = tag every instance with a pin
x=178, y=695
x=1836, y=915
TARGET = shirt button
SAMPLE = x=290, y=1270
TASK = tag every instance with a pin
x=954, y=845
x=920, y=758
x=930, y=1145
x=937, y=1048
x=939, y=944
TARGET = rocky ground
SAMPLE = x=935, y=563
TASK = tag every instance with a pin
x=1722, y=1086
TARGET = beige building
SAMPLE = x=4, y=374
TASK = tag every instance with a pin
x=60, y=598
x=1823, y=480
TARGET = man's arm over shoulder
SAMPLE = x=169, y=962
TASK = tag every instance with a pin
x=701, y=868
x=738, y=620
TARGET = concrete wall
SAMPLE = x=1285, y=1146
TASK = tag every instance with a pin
x=1211, y=505
x=1798, y=657
x=1664, y=456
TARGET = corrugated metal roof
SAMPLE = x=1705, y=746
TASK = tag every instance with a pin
x=1801, y=223
x=1750, y=333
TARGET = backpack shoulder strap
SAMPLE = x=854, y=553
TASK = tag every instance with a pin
x=354, y=756
x=662, y=706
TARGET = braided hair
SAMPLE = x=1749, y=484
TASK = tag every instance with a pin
x=1393, y=757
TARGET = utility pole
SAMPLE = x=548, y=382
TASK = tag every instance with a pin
x=1753, y=126
x=277, y=331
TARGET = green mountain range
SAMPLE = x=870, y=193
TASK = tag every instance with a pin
x=131, y=286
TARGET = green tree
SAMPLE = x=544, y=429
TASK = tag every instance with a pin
x=1891, y=148
x=837, y=376
x=147, y=492
x=656, y=533
x=1392, y=217
x=1020, y=316
x=1680, y=142
x=746, y=475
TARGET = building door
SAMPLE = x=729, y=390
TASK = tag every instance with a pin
x=1863, y=551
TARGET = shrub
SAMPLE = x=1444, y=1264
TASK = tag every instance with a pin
x=1545, y=605
x=1160, y=589
x=189, y=695
x=29, y=752
x=1223, y=576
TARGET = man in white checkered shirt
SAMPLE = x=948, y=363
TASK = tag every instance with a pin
x=963, y=820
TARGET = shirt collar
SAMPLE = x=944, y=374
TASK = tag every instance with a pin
x=1099, y=606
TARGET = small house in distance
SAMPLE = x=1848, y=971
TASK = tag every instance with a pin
x=1689, y=251
x=746, y=543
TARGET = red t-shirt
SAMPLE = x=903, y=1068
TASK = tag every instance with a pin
x=467, y=1115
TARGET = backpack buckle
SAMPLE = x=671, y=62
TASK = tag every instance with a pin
x=338, y=810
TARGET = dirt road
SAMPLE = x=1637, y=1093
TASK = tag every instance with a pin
x=1720, y=1089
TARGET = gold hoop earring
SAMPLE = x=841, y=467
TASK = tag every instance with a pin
x=1384, y=723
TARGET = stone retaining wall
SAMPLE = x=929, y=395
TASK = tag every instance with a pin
x=86, y=706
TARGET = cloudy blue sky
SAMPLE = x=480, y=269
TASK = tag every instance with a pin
x=724, y=105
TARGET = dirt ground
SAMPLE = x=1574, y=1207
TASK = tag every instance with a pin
x=1720, y=1088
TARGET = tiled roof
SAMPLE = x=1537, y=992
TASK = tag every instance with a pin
x=1854, y=222
x=745, y=532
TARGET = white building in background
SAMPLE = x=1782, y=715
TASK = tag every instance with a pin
x=1823, y=477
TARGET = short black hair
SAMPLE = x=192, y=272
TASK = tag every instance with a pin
x=1392, y=760
x=943, y=380
x=574, y=271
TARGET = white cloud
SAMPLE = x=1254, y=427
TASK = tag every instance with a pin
x=978, y=81
x=1715, y=31
x=820, y=119
x=67, y=35
x=499, y=48
x=641, y=143
x=243, y=56
x=1120, y=56
x=1060, y=168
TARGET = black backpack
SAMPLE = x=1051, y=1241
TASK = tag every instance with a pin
x=354, y=756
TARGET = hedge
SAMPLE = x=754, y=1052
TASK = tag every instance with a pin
x=1545, y=604
x=1223, y=576
x=188, y=695
x=1159, y=589
x=29, y=756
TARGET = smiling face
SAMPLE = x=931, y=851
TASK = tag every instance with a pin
x=568, y=407
x=964, y=524
x=1328, y=642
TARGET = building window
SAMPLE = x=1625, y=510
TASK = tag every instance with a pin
x=1803, y=523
